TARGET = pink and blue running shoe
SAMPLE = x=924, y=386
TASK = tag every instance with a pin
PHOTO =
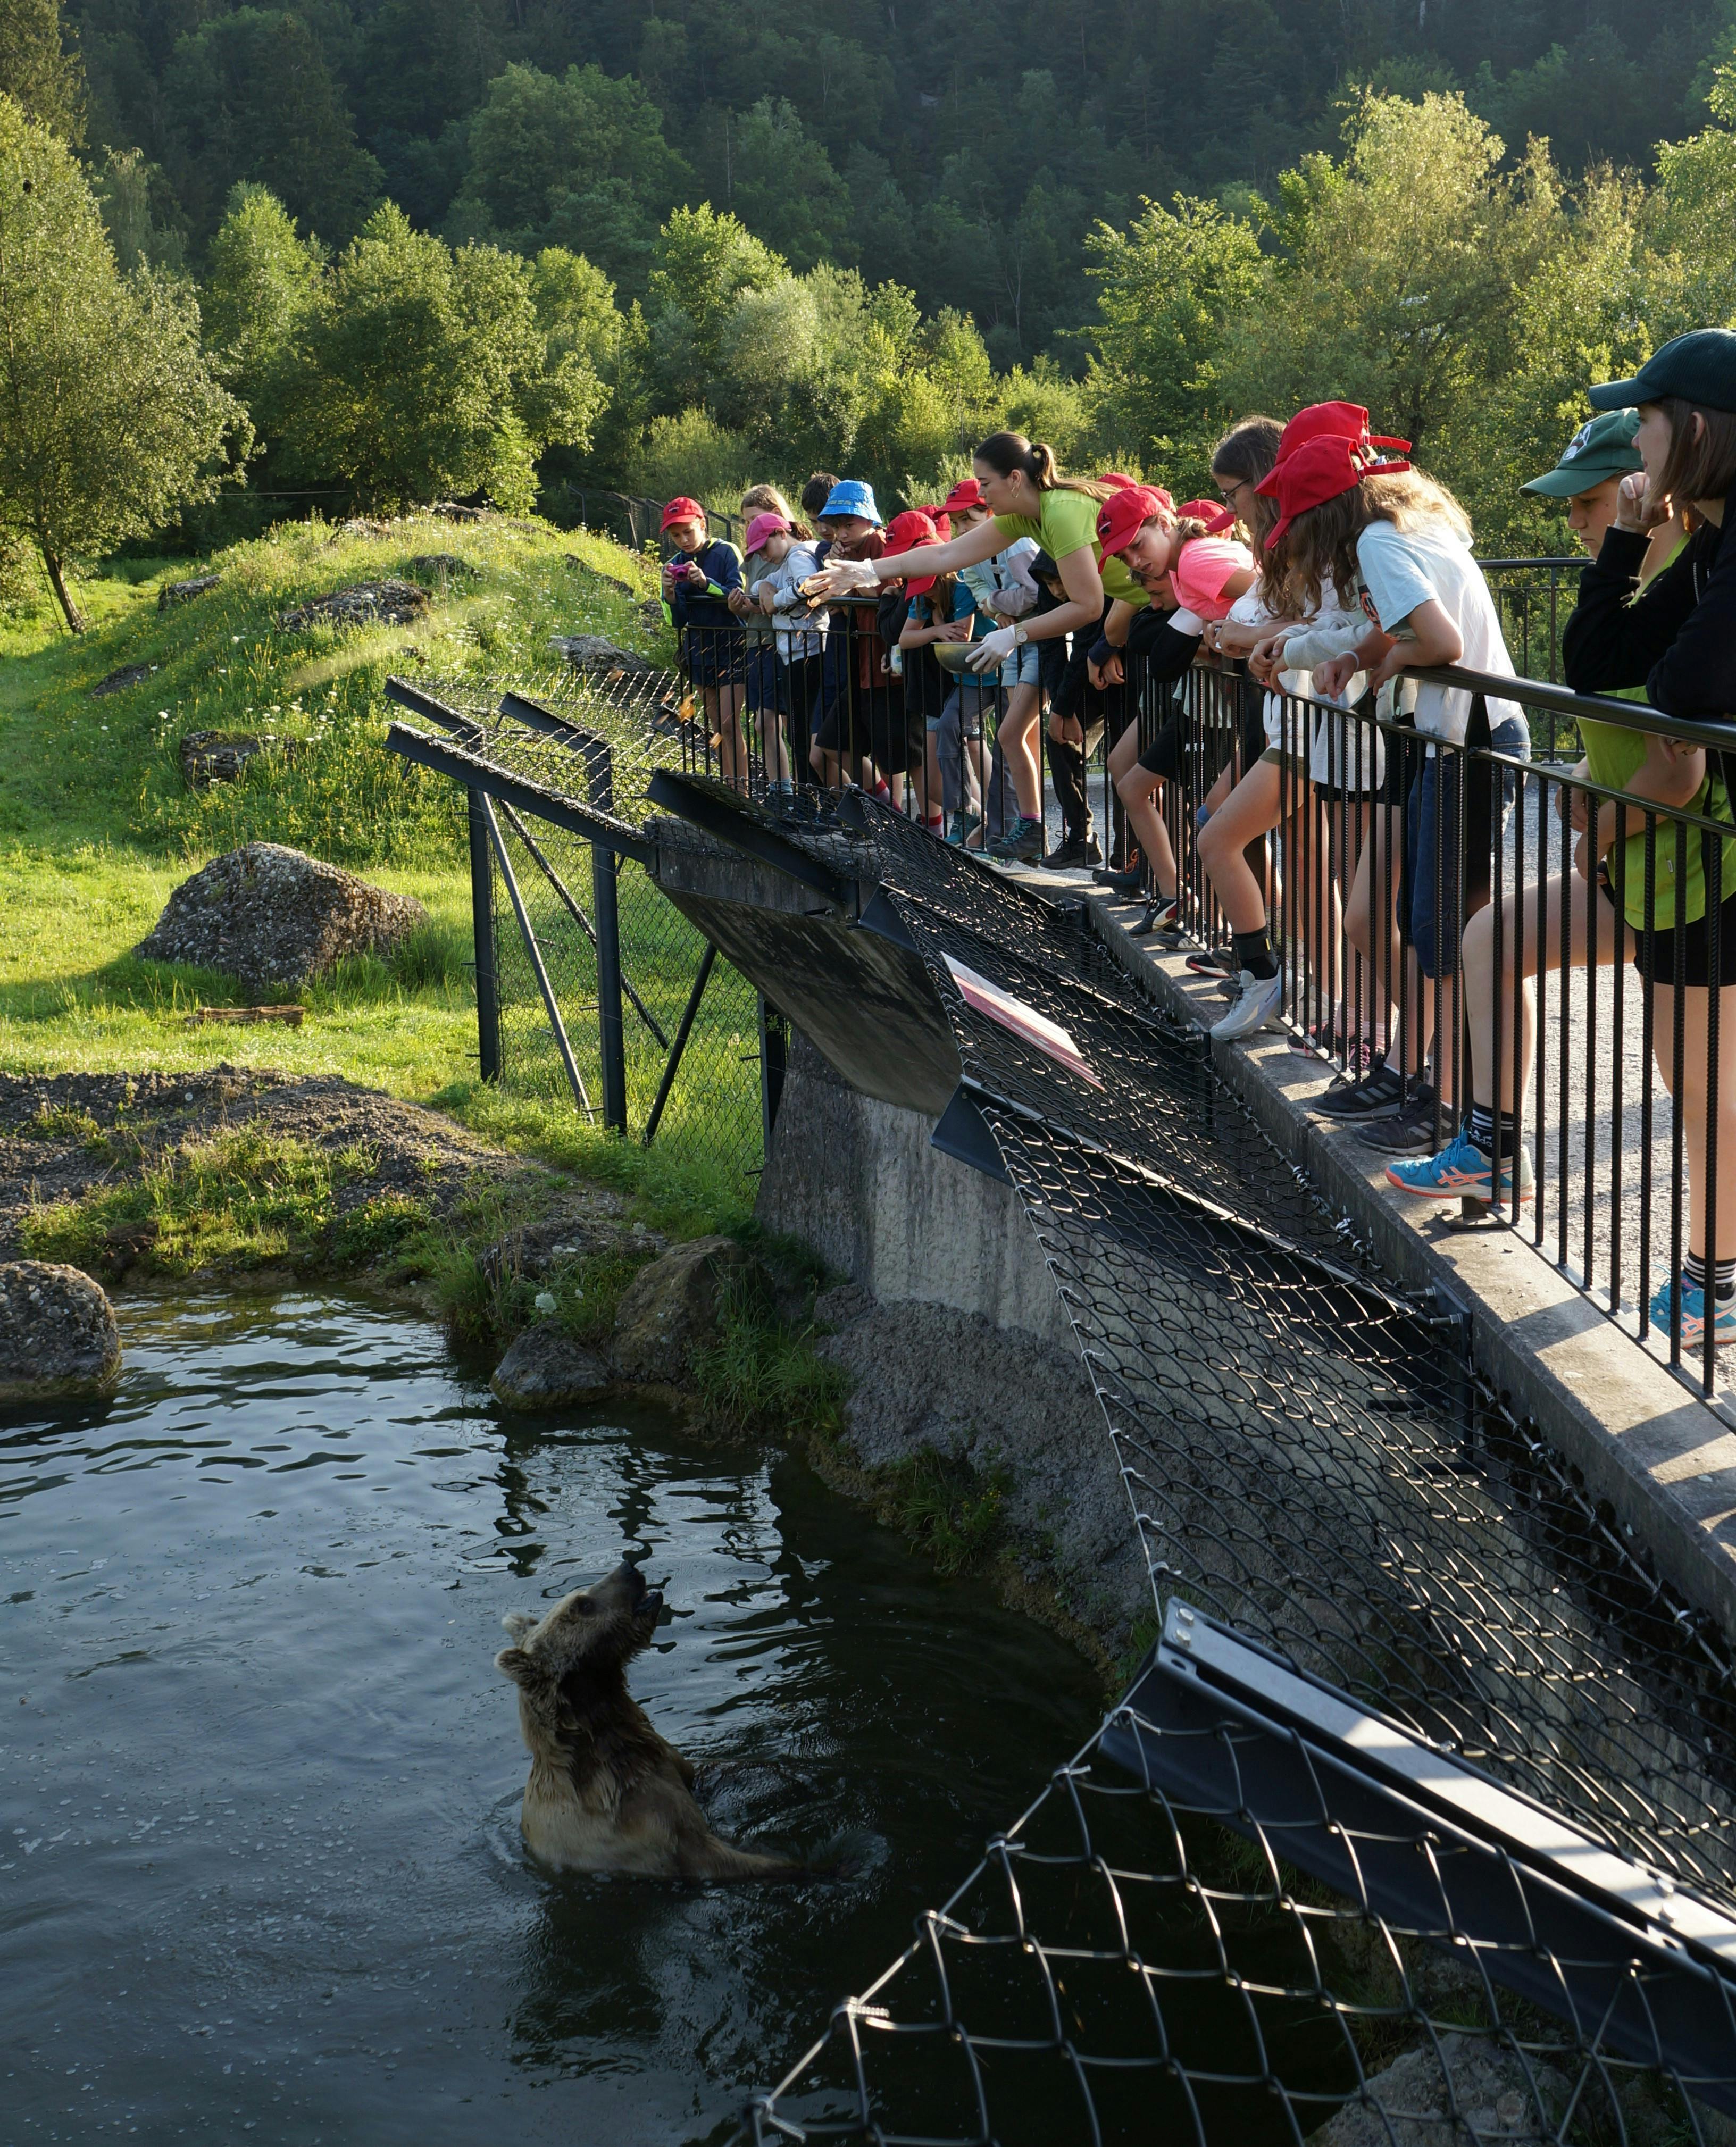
x=1693, y=1317
x=1460, y=1172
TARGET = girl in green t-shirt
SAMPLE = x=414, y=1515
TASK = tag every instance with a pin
x=1028, y=496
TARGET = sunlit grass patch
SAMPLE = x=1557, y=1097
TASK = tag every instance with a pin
x=248, y=1198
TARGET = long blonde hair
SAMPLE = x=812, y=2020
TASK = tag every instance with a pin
x=1320, y=543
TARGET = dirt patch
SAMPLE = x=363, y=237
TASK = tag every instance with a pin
x=65, y=1136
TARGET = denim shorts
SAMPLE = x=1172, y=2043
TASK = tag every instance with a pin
x=1430, y=869
x=1021, y=667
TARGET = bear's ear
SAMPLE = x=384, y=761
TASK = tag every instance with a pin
x=522, y=1669
x=518, y=1623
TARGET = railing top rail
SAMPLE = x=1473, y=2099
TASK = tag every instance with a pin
x=1554, y=560
x=1600, y=708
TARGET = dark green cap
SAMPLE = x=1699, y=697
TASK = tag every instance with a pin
x=1603, y=446
x=1700, y=366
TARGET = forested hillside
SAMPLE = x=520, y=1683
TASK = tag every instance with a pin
x=961, y=151
x=258, y=261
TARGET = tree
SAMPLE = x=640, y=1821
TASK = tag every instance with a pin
x=1168, y=288
x=703, y=264
x=766, y=170
x=110, y=419
x=38, y=70
x=577, y=159
x=252, y=98
x=1694, y=278
x=1398, y=268
x=418, y=371
x=264, y=280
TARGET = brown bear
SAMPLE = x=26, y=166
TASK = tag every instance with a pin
x=606, y=1793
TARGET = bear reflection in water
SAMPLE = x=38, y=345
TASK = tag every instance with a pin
x=606, y=1793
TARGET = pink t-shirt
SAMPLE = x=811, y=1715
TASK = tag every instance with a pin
x=1199, y=575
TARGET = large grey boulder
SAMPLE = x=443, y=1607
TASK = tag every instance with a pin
x=209, y=757
x=546, y=1368
x=676, y=1305
x=57, y=1334
x=180, y=592
x=1495, y=2092
x=598, y=656
x=388, y=603
x=270, y=916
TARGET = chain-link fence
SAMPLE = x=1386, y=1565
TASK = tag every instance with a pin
x=1428, y=1802
x=590, y=983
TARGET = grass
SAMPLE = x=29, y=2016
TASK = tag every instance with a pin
x=96, y=829
x=247, y=1199
x=764, y=1375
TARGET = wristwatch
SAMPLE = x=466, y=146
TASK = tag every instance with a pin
x=1019, y=637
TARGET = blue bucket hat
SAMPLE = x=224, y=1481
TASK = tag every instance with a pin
x=850, y=496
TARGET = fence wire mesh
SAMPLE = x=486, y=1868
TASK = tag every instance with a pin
x=1312, y=1461
x=610, y=735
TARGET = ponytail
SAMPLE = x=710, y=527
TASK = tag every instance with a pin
x=1006, y=452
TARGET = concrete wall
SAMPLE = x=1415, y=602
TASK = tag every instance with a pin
x=858, y=1180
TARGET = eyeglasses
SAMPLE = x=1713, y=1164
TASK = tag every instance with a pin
x=1227, y=492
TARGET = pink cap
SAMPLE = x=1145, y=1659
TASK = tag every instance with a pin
x=760, y=527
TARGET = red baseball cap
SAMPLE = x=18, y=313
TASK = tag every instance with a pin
x=1215, y=515
x=1125, y=513
x=1333, y=421
x=1118, y=478
x=964, y=496
x=907, y=532
x=1320, y=469
x=681, y=509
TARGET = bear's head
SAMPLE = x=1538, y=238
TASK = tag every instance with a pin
x=580, y=1648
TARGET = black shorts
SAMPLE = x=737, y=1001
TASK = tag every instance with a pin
x=876, y=721
x=1655, y=953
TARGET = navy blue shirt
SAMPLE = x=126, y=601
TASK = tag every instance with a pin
x=722, y=565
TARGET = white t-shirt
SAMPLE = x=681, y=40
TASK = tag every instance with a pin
x=1402, y=568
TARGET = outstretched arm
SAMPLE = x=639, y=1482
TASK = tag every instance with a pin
x=844, y=577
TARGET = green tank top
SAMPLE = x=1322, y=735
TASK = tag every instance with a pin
x=1613, y=757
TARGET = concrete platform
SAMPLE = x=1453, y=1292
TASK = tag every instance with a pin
x=1662, y=1457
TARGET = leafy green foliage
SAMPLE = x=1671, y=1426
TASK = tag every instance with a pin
x=1169, y=287
x=418, y=373
x=37, y=71
x=569, y=160
x=253, y=98
x=112, y=415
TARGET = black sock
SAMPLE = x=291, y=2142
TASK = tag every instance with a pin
x=1725, y=1286
x=1486, y=1125
x=1253, y=953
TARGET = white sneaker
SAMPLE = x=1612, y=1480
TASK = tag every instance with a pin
x=1255, y=1006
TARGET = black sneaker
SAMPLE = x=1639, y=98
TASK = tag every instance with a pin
x=1214, y=961
x=1128, y=885
x=1160, y=917
x=1021, y=845
x=1378, y=1094
x=1409, y=1132
x=1073, y=854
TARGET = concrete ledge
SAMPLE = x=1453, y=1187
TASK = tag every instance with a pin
x=1664, y=1459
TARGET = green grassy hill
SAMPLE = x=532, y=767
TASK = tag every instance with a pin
x=97, y=825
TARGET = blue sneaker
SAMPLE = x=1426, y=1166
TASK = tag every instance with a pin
x=1460, y=1172
x=1693, y=1317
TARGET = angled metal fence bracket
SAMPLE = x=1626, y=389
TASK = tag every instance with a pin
x=963, y=1132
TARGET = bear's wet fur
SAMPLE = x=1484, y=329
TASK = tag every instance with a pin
x=606, y=1793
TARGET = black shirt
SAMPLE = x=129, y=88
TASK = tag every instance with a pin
x=1677, y=640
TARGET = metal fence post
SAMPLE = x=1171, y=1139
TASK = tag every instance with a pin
x=482, y=929
x=773, y=1058
x=605, y=868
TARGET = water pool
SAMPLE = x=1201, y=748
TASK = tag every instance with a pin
x=260, y=1875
